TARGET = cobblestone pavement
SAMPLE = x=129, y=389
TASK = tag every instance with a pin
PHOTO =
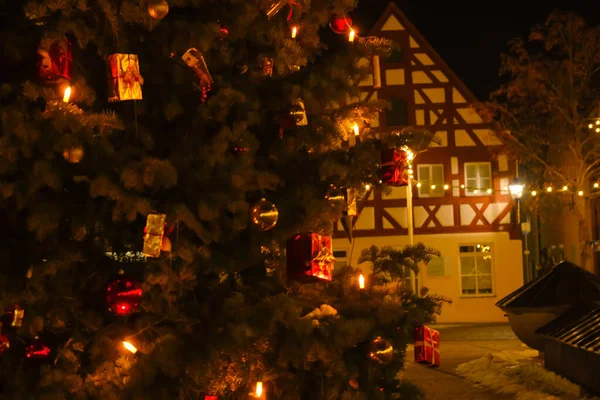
x=460, y=344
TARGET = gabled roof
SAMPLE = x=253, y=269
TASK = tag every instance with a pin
x=394, y=12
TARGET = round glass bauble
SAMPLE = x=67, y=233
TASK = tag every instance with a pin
x=158, y=9
x=264, y=215
x=381, y=351
x=73, y=154
x=340, y=24
x=123, y=295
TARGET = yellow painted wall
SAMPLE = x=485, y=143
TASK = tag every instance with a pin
x=507, y=271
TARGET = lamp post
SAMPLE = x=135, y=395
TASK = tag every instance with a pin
x=516, y=192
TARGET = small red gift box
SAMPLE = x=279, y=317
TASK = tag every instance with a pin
x=55, y=62
x=427, y=346
x=309, y=258
x=394, y=167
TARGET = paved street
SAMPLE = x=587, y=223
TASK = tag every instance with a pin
x=460, y=344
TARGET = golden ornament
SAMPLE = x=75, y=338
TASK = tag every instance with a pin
x=381, y=351
x=264, y=215
x=158, y=9
x=73, y=155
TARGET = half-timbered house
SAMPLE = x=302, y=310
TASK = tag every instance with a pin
x=461, y=204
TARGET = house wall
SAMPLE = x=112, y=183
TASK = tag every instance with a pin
x=506, y=271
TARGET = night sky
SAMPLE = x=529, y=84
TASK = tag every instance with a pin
x=470, y=36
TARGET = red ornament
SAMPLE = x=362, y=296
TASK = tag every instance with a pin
x=309, y=258
x=4, y=343
x=54, y=63
x=394, y=167
x=37, y=350
x=211, y=397
x=340, y=25
x=123, y=295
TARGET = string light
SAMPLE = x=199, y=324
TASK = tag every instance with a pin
x=367, y=186
x=590, y=126
x=433, y=187
x=356, y=129
x=596, y=185
x=130, y=347
x=597, y=130
x=361, y=281
x=294, y=32
x=462, y=186
x=489, y=191
x=475, y=191
x=580, y=193
x=351, y=36
x=418, y=184
x=446, y=187
x=67, y=94
x=533, y=193
x=565, y=188
x=259, y=389
x=549, y=189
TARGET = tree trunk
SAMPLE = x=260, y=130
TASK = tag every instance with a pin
x=576, y=232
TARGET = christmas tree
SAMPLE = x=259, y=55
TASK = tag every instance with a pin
x=171, y=172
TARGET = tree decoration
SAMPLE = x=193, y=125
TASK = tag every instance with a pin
x=340, y=24
x=195, y=60
x=54, y=63
x=381, y=351
x=37, y=350
x=298, y=113
x=158, y=9
x=123, y=295
x=336, y=197
x=124, y=78
x=394, y=167
x=267, y=67
x=427, y=346
x=14, y=317
x=73, y=154
x=4, y=343
x=309, y=258
x=376, y=72
x=274, y=7
x=153, y=234
x=264, y=215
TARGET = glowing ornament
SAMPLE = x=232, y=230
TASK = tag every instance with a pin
x=37, y=350
x=381, y=351
x=73, y=154
x=340, y=25
x=123, y=295
x=130, y=347
x=158, y=9
x=264, y=215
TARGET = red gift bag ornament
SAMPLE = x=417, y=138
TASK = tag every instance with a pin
x=4, y=343
x=123, y=295
x=394, y=167
x=427, y=346
x=309, y=258
x=54, y=63
x=37, y=350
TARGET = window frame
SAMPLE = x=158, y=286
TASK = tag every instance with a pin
x=481, y=192
x=442, y=192
x=492, y=273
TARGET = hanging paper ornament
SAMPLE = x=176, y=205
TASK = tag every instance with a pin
x=298, y=112
x=394, y=171
x=154, y=231
x=4, y=343
x=376, y=72
x=195, y=60
x=123, y=295
x=73, y=154
x=166, y=245
x=340, y=24
x=37, y=350
x=267, y=67
x=309, y=258
x=158, y=9
x=124, y=78
x=54, y=64
x=14, y=317
x=264, y=215
x=274, y=8
x=381, y=351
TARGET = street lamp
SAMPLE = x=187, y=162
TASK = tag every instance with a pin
x=516, y=192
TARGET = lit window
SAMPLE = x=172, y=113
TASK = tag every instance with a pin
x=431, y=178
x=476, y=277
x=478, y=178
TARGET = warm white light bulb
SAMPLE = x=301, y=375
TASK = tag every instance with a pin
x=549, y=189
x=446, y=187
x=356, y=129
x=433, y=186
x=259, y=389
x=590, y=126
x=351, y=36
x=533, y=193
x=418, y=184
x=67, y=94
x=130, y=347
x=475, y=191
x=565, y=188
x=596, y=185
x=462, y=186
x=598, y=122
x=597, y=130
x=489, y=191
x=361, y=281
x=580, y=193
x=368, y=187
x=294, y=32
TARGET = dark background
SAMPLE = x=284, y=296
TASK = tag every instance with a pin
x=470, y=36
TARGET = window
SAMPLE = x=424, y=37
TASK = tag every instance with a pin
x=478, y=178
x=341, y=259
x=397, y=55
x=431, y=178
x=411, y=281
x=398, y=114
x=476, y=270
